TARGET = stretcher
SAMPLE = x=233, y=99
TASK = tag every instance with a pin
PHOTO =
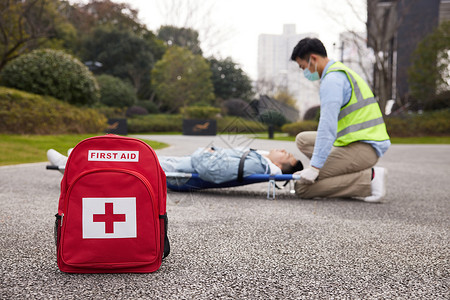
x=185, y=182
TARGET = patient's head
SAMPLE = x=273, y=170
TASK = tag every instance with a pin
x=285, y=161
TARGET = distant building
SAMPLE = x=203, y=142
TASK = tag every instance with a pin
x=398, y=26
x=275, y=66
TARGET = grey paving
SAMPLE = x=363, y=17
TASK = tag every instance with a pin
x=236, y=244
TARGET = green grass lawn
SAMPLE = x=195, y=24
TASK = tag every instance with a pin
x=19, y=149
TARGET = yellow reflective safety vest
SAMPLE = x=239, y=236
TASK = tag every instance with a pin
x=361, y=118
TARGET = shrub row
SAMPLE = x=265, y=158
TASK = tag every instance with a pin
x=200, y=112
x=155, y=123
x=433, y=123
x=25, y=113
x=293, y=129
x=174, y=123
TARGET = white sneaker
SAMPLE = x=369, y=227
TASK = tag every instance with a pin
x=378, y=185
x=56, y=159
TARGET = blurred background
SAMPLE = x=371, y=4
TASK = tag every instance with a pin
x=79, y=66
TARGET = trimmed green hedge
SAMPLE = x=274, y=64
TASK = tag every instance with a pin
x=174, y=123
x=200, y=112
x=25, y=113
x=155, y=123
x=294, y=128
x=433, y=123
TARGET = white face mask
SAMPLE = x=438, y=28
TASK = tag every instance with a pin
x=311, y=76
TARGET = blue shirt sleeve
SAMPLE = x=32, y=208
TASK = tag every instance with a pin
x=335, y=92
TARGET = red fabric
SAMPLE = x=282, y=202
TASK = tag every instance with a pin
x=110, y=194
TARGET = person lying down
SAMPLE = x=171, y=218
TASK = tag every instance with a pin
x=218, y=165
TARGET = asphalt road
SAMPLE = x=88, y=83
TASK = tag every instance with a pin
x=236, y=244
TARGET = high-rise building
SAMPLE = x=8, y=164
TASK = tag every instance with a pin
x=276, y=69
x=394, y=29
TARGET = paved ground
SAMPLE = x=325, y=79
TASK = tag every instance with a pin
x=235, y=244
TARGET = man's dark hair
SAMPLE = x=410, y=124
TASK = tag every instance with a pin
x=291, y=169
x=308, y=46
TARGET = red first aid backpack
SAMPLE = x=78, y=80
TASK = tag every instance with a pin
x=112, y=208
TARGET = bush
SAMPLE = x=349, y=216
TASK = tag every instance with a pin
x=412, y=125
x=136, y=111
x=295, y=128
x=111, y=112
x=150, y=106
x=53, y=73
x=433, y=123
x=312, y=114
x=441, y=101
x=238, y=108
x=200, y=112
x=25, y=113
x=115, y=92
x=174, y=123
x=272, y=117
x=155, y=123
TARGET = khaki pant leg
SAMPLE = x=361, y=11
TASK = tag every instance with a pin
x=305, y=142
x=346, y=173
x=343, y=186
x=352, y=158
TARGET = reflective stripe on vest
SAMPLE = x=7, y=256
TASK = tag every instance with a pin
x=358, y=123
x=361, y=101
x=360, y=126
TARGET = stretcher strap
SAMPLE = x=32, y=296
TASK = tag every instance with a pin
x=240, y=177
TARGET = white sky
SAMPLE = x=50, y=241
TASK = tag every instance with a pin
x=242, y=21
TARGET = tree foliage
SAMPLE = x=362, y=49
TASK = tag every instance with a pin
x=88, y=17
x=182, y=78
x=272, y=117
x=183, y=37
x=104, y=13
x=54, y=73
x=110, y=33
x=122, y=54
x=229, y=80
x=28, y=25
x=429, y=72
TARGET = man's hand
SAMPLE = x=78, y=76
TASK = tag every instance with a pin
x=308, y=175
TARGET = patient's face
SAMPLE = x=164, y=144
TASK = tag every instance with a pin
x=281, y=157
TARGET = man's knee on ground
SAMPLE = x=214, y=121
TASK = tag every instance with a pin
x=302, y=141
x=301, y=190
